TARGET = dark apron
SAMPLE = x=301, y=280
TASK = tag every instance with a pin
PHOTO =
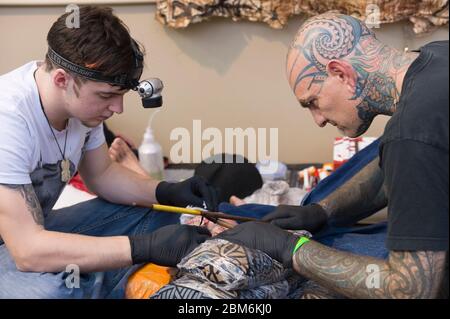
x=47, y=184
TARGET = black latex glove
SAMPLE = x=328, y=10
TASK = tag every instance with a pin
x=310, y=217
x=275, y=242
x=167, y=245
x=193, y=191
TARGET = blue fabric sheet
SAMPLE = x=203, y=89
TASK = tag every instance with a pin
x=361, y=240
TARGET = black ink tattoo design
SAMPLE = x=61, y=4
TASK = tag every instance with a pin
x=31, y=200
x=406, y=274
x=334, y=36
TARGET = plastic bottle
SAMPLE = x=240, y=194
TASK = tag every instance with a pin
x=150, y=155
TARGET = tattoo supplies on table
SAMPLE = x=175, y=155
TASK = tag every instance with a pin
x=345, y=147
x=276, y=193
x=311, y=176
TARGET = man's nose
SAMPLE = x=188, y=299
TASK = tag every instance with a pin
x=117, y=105
x=318, y=118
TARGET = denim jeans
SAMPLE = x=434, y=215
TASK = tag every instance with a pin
x=94, y=218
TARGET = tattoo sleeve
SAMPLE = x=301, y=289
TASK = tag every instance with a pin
x=358, y=198
x=31, y=200
x=406, y=274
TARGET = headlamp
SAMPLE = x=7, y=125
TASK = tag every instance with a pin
x=149, y=90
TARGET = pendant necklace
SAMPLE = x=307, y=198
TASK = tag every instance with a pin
x=65, y=163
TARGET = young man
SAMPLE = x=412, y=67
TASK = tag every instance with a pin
x=51, y=114
x=344, y=76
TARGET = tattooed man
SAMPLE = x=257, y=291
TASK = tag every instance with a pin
x=51, y=115
x=345, y=77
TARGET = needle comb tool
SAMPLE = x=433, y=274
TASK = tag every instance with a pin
x=215, y=217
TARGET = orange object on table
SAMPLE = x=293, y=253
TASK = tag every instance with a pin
x=148, y=280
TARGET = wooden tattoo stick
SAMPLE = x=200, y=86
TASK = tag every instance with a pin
x=212, y=216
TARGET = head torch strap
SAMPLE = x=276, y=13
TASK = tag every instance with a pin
x=85, y=72
x=122, y=80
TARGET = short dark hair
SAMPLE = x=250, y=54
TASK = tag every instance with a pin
x=102, y=42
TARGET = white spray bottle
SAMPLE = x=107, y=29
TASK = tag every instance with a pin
x=150, y=153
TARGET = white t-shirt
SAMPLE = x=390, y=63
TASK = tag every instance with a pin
x=26, y=142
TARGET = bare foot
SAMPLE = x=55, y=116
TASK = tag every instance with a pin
x=236, y=201
x=127, y=140
x=121, y=153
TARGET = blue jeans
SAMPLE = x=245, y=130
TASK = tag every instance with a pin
x=94, y=218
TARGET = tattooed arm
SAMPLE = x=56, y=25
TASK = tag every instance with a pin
x=35, y=249
x=33, y=206
x=406, y=274
x=358, y=198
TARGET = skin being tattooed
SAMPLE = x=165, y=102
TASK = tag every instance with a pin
x=377, y=69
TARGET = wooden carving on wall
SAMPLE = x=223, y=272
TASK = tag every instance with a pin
x=423, y=14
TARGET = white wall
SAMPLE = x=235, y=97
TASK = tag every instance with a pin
x=226, y=74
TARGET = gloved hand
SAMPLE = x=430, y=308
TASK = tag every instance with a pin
x=275, y=242
x=167, y=245
x=311, y=217
x=193, y=191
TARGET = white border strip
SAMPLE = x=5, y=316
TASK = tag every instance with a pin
x=66, y=2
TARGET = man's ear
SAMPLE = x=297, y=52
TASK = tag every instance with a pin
x=344, y=71
x=61, y=78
